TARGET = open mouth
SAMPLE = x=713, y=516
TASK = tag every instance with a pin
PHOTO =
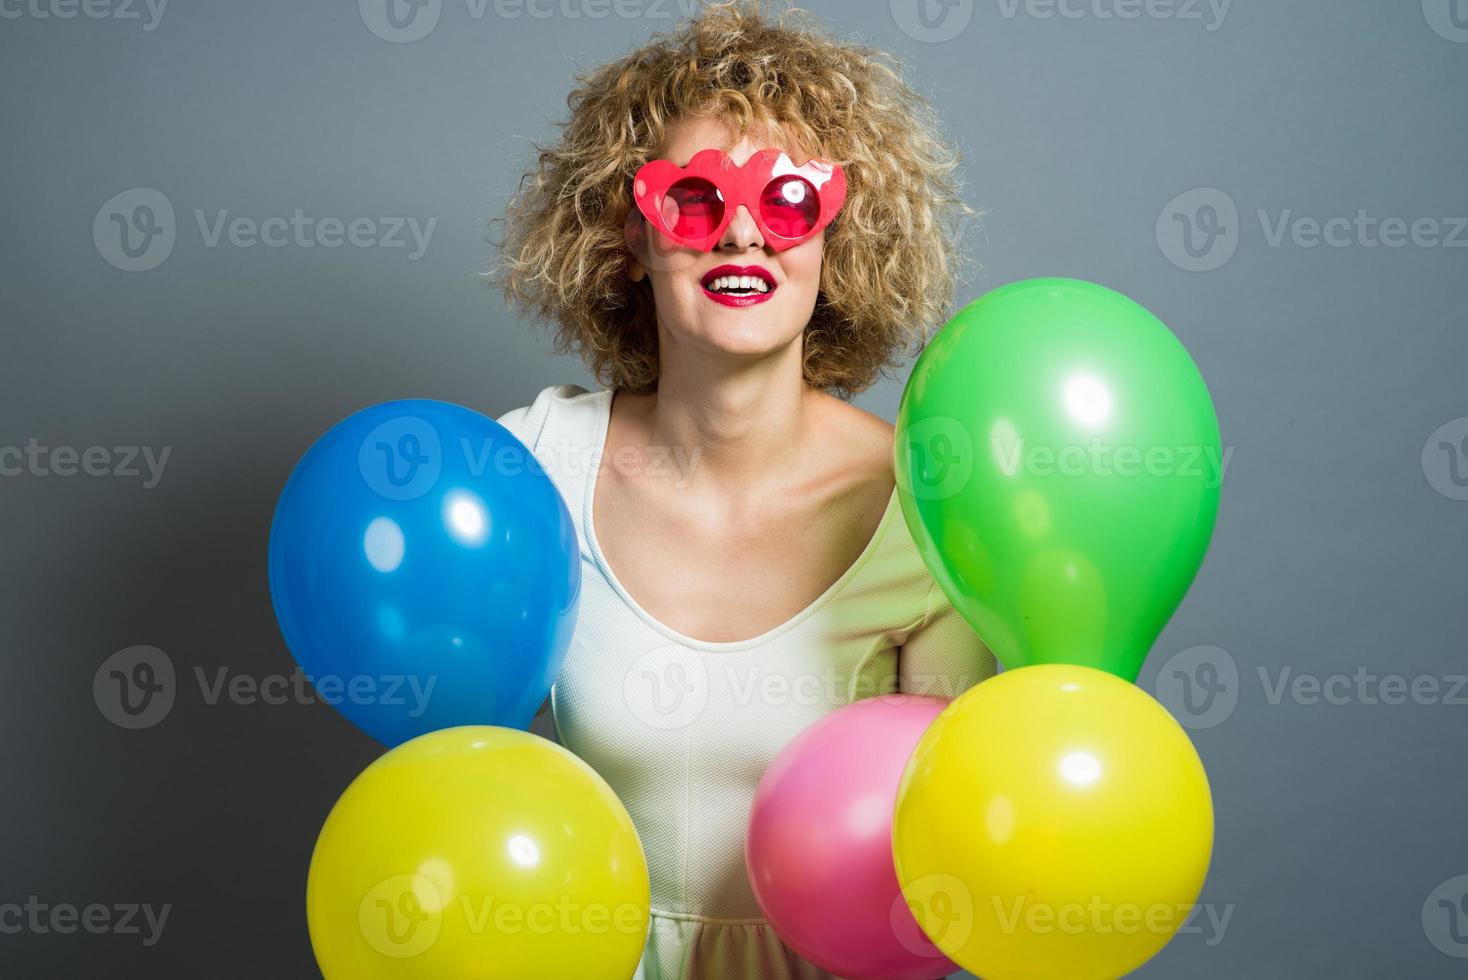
x=738, y=285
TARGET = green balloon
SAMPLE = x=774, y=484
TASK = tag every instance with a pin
x=1058, y=462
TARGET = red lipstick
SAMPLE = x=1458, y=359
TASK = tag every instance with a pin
x=727, y=299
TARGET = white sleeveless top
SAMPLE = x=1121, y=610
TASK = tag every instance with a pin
x=682, y=729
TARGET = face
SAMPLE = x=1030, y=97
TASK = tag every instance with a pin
x=692, y=307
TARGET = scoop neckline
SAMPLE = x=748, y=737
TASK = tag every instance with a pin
x=588, y=524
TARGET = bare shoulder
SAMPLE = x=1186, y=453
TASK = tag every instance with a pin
x=863, y=445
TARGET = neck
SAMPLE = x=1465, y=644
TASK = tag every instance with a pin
x=745, y=421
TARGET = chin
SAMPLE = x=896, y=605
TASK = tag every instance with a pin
x=736, y=332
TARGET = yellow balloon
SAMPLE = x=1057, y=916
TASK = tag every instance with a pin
x=478, y=852
x=1053, y=822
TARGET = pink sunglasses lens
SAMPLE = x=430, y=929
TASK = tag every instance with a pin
x=692, y=208
x=790, y=206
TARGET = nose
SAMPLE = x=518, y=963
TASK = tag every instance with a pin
x=742, y=233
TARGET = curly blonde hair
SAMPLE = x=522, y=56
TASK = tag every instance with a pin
x=890, y=261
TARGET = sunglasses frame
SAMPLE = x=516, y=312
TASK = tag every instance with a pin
x=738, y=186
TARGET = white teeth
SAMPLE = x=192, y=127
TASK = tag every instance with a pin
x=743, y=284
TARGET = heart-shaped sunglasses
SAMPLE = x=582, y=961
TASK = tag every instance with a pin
x=694, y=204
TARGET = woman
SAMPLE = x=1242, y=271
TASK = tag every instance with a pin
x=747, y=567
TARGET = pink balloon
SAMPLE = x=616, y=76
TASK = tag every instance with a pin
x=819, y=849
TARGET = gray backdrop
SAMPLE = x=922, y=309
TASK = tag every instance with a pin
x=1192, y=156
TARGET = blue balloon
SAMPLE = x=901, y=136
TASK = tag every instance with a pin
x=425, y=571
